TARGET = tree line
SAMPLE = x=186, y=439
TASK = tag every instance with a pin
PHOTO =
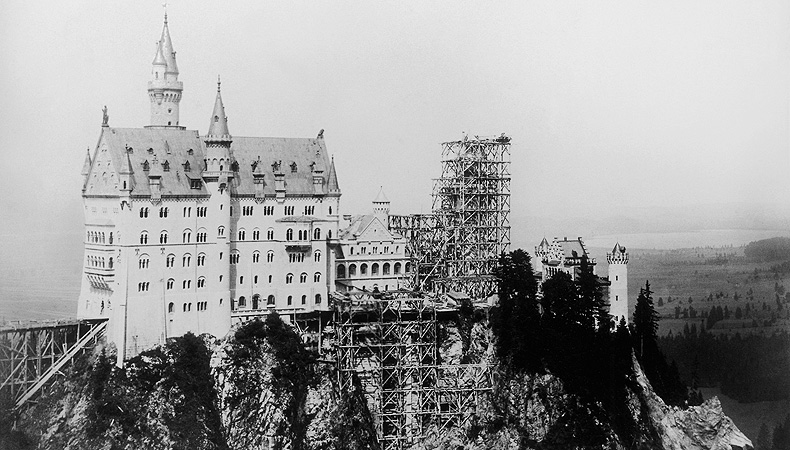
x=565, y=329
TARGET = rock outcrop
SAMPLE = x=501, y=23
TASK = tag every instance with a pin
x=258, y=390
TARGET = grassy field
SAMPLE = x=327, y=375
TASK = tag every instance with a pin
x=686, y=283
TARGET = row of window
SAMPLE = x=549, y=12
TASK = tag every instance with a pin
x=201, y=281
x=186, y=307
x=202, y=211
x=202, y=236
x=256, y=302
x=375, y=250
x=374, y=269
x=99, y=262
x=144, y=259
x=97, y=237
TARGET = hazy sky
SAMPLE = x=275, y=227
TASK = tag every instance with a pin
x=608, y=103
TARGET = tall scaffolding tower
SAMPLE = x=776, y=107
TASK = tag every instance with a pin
x=457, y=246
x=390, y=343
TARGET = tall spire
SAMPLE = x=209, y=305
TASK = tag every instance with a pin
x=332, y=185
x=218, y=129
x=164, y=89
x=167, y=49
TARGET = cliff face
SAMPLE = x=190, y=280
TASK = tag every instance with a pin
x=258, y=390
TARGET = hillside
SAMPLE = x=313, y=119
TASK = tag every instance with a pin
x=258, y=388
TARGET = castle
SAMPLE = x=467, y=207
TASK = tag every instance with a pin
x=566, y=255
x=190, y=232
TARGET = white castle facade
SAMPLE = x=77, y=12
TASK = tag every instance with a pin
x=190, y=232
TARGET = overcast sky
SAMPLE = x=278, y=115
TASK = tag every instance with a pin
x=608, y=103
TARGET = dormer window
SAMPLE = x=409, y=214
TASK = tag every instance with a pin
x=293, y=167
x=166, y=166
x=194, y=184
x=186, y=166
x=150, y=151
x=190, y=152
x=146, y=166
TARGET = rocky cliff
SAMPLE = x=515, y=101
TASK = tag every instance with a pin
x=259, y=389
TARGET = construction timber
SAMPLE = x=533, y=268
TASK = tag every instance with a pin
x=456, y=247
x=389, y=343
x=33, y=354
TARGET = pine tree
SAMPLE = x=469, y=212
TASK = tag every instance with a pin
x=516, y=319
x=645, y=320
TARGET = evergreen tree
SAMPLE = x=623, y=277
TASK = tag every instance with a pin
x=561, y=305
x=515, y=320
x=763, y=441
x=645, y=320
x=593, y=309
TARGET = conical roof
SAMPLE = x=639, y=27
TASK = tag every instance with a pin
x=618, y=248
x=381, y=198
x=159, y=58
x=219, y=121
x=166, y=46
x=86, y=166
x=332, y=185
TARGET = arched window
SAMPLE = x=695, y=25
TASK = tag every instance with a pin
x=171, y=260
x=201, y=259
x=270, y=301
x=234, y=257
x=270, y=256
x=352, y=270
x=385, y=269
x=256, y=256
x=289, y=235
x=363, y=270
x=317, y=299
x=170, y=307
x=317, y=234
x=317, y=256
x=407, y=267
x=163, y=237
x=201, y=235
x=270, y=234
x=341, y=271
x=143, y=213
x=290, y=300
x=374, y=269
x=303, y=277
x=201, y=283
x=110, y=266
x=110, y=237
x=397, y=268
x=163, y=212
x=317, y=277
x=170, y=283
x=255, y=301
x=242, y=234
x=186, y=260
x=256, y=234
x=289, y=278
x=143, y=262
x=242, y=302
x=304, y=299
x=221, y=231
x=144, y=237
x=186, y=236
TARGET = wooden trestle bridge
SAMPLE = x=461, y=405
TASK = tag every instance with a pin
x=33, y=354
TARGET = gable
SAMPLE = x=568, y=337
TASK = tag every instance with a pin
x=375, y=231
x=102, y=178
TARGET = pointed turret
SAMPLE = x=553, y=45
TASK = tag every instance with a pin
x=166, y=46
x=332, y=185
x=381, y=206
x=218, y=140
x=164, y=89
x=218, y=129
x=86, y=166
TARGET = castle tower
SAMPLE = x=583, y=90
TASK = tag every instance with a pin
x=618, y=276
x=541, y=252
x=164, y=89
x=381, y=207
